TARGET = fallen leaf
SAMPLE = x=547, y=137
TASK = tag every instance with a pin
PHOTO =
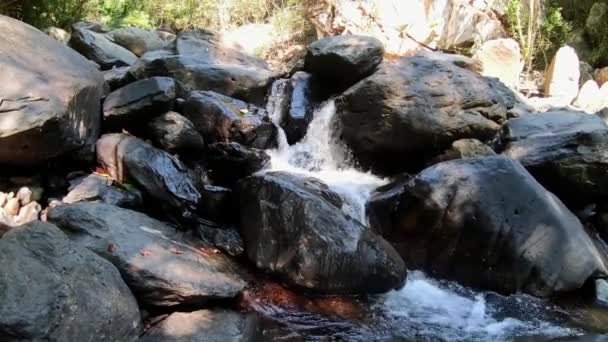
x=145, y=252
x=176, y=251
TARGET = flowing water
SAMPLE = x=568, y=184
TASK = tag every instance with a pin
x=425, y=308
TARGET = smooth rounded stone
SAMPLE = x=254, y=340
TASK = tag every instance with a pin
x=293, y=232
x=487, y=223
x=50, y=97
x=217, y=325
x=207, y=46
x=174, y=133
x=409, y=112
x=58, y=34
x=28, y=213
x=98, y=189
x=588, y=98
x=99, y=48
x=466, y=148
x=139, y=102
x=12, y=206
x=161, y=267
x=117, y=78
x=194, y=72
x=137, y=40
x=24, y=195
x=344, y=59
x=565, y=151
x=158, y=173
x=221, y=118
x=53, y=290
x=501, y=58
x=230, y=162
x=562, y=76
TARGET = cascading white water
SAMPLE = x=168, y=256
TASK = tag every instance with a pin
x=434, y=309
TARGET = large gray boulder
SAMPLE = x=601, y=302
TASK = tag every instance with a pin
x=54, y=290
x=229, y=162
x=176, y=134
x=410, y=111
x=221, y=118
x=294, y=228
x=138, y=102
x=206, y=325
x=158, y=173
x=344, y=59
x=139, y=41
x=50, y=97
x=161, y=267
x=99, y=48
x=486, y=222
x=565, y=151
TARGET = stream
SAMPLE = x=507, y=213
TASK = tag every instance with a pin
x=425, y=308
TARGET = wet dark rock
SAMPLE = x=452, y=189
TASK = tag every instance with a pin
x=160, y=267
x=162, y=176
x=54, y=290
x=230, y=162
x=293, y=232
x=176, y=134
x=220, y=118
x=413, y=110
x=465, y=148
x=488, y=223
x=344, y=59
x=50, y=98
x=99, y=48
x=565, y=151
x=138, y=41
x=224, y=238
x=139, y=102
x=117, y=78
x=98, y=189
x=217, y=204
x=384, y=203
x=195, y=73
x=216, y=325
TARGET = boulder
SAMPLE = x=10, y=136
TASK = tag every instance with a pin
x=220, y=118
x=563, y=150
x=300, y=107
x=99, y=189
x=601, y=76
x=588, y=98
x=53, y=290
x=466, y=148
x=413, y=110
x=117, y=78
x=218, y=204
x=486, y=222
x=230, y=162
x=201, y=72
x=161, y=267
x=138, y=41
x=562, y=78
x=175, y=134
x=50, y=97
x=99, y=48
x=205, y=325
x=139, y=101
x=58, y=34
x=501, y=58
x=224, y=238
x=158, y=173
x=344, y=59
x=296, y=232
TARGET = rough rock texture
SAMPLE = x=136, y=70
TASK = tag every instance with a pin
x=53, y=290
x=466, y=148
x=562, y=78
x=411, y=111
x=205, y=325
x=297, y=105
x=99, y=48
x=295, y=231
x=50, y=97
x=138, y=41
x=94, y=188
x=230, y=162
x=139, y=101
x=162, y=268
x=565, y=151
x=220, y=118
x=117, y=78
x=174, y=133
x=157, y=172
x=217, y=205
x=344, y=59
x=500, y=58
x=488, y=223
